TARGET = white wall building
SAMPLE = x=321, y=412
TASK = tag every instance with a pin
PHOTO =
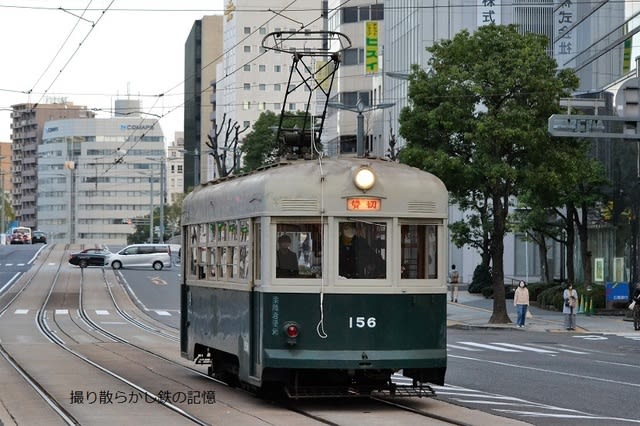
x=175, y=167
x=96, y=176
x=252, y=80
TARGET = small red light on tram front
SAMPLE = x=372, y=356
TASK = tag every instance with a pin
x=292, y=331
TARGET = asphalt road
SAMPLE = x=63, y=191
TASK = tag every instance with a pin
x=542, y=378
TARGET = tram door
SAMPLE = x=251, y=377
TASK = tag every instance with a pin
x=255, y=301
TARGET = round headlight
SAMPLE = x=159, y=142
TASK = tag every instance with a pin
x=365, y=179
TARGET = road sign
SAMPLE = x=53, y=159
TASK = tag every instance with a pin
x=594, y=126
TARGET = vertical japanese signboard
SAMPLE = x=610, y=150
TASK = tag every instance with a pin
x=565, y=13
x=371, y=47
x=488, y=12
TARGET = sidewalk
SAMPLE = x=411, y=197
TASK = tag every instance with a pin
x=474, y=311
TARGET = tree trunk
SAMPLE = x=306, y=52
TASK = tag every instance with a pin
x=585, y=253
x=500, y=210
x=544, y=262
x=570, y=244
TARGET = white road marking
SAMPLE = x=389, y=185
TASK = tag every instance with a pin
x=485, y=346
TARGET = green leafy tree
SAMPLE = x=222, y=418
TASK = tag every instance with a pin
x=565, y=188
x=479, y=122
x=172, y=216
x=260, y=147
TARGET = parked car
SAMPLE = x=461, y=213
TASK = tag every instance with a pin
x=38, y=237
x=157, y=256
x=90, y=257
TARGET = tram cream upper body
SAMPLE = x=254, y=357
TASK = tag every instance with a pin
x=320, y=187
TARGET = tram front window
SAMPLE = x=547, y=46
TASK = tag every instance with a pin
x=362, y=248
x=298, y=251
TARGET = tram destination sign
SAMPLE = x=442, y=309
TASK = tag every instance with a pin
x=594, y=126
x=364, y=204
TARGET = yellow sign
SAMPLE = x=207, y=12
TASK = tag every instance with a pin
x=371, y=47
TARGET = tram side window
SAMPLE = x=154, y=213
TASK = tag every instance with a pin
x=298, y=251
x=362, y=250
x=419, y=248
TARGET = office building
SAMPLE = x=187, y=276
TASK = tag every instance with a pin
x=358, y=80
x=98, y=177
x=585, y=36
x=203, y=50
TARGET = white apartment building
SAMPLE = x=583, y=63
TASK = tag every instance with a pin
x=175, y=167
x=97, y=176
x=252, y=79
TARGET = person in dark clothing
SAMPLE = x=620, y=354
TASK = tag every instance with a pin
x=636, y=308
x=286, y=260
x=357, y=259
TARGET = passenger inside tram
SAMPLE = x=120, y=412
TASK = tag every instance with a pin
x=286, y=260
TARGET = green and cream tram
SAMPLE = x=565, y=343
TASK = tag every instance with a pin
x=321, y=277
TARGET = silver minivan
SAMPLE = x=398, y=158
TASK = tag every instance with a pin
x=157, y=256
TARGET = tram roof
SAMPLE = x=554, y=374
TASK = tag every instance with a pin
x=298, y=189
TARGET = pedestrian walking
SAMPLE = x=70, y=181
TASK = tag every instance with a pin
x=521, y=302
x=636, y=308
x=570, y=297
x=453, y=278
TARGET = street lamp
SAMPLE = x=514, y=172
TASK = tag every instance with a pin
x=163, y=190
x=360, y=108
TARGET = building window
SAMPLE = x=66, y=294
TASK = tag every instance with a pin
x=262, y=87
x=277, y=68
x=276, y=87
x=261, y=106
x=277, y=106
x=349, y=14
x=246, y=124
x=364, y=13
x=350, y=57
x=247, y=67
x=247, y=49
x=377, y=12
x=247, y=30
x=247, y=86
x=292, y=106
x=262, y=68
x=263, y=30
x=246, y=105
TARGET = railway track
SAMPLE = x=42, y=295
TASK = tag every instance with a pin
x=64, y=349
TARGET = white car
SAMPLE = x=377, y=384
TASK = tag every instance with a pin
x=157, y=256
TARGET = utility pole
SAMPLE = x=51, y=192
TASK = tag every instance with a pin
x=151, y=208
x=163, y=189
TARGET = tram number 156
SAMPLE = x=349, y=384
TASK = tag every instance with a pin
x=362, y=322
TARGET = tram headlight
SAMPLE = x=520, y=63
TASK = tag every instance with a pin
x=364, y=178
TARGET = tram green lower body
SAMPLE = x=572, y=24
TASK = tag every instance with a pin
x=350, y=335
